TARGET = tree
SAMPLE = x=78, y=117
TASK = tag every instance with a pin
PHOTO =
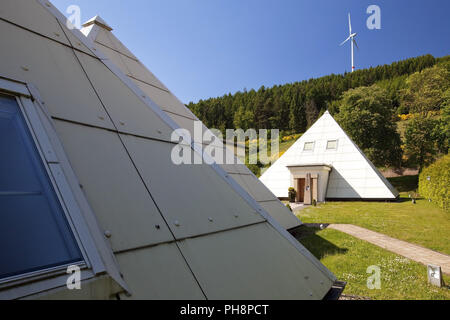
x=312, y=113
x=243, y=119
x=425, y=90
x=297, y=121
x=421, y=140
x=366, y=114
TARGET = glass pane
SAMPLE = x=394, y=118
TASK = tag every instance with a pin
x=34, y=233
x=332, y=144
x=309, y=146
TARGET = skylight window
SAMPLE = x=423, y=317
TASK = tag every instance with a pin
x=332, y=144
x=34, y=232
x=309, y=146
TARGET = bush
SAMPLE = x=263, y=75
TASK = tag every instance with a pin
x=434, y=183
x=292, y=194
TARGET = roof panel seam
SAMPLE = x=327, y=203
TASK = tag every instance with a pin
x=115, y=50
x=205, y=234
x=47, y=37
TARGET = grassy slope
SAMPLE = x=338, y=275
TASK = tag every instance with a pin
x=348, y=258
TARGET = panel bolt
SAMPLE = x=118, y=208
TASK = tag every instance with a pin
x=210, y=219
x=158, y=226
x=176, y=223
x=108, y=234
x=25, y=68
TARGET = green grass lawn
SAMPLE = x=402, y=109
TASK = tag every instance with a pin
x=423, y=223
x=348, y=258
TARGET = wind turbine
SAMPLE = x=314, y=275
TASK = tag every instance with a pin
x=351, y=37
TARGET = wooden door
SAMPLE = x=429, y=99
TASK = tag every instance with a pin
x=301, y=190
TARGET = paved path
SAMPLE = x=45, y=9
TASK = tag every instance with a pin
x=403, y=248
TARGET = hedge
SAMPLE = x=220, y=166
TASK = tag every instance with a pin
x=434, y=183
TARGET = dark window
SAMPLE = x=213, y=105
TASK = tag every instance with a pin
x=34, y=232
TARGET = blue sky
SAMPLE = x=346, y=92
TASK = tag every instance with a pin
x=208, y=48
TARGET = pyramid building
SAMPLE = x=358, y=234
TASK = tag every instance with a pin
x=89, y=195
x=325, y=164
x=97, y=30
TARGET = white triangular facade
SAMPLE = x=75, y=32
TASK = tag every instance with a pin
x=352, y=175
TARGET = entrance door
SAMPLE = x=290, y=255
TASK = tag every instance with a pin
x=301, y=190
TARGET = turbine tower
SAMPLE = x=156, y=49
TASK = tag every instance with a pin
x=351, y=37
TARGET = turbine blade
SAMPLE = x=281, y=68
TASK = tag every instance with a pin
x=350, y=23
x=345, y=41
x=354, y=41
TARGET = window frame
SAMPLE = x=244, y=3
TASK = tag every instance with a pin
x=30, y=107
x=309, y=150
x=331, y=149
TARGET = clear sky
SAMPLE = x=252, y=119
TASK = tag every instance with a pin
x=207, y=48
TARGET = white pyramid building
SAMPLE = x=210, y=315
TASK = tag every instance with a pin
x=325, y=164
x=87, y=185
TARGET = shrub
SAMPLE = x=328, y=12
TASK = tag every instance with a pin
x=434, y=183
x=292, y=194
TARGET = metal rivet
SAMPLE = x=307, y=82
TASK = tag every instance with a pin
x=321, y=282
x=57, y=34
x=48, y=4
x=311, y=294
x=306, y=277
x=122, y=123
x=25, y=68
x=210, y=219
x=177, y=223
x=158, y=226
x=101, y=118
x=159, y=132
x=236, y=216
x=108, y=234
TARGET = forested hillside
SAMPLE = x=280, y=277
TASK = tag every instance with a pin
x=367, y=103
x=295, y=106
